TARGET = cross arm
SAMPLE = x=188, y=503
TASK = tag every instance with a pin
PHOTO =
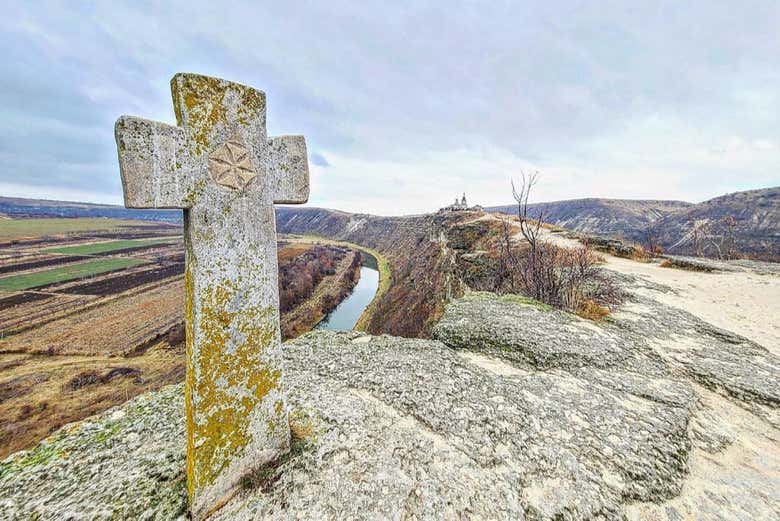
x=154, y=164
x=288, y=167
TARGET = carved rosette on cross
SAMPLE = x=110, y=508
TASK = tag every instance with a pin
x=220, y=167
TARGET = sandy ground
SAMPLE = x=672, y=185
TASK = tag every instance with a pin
x=732, y=482
x=744, y=302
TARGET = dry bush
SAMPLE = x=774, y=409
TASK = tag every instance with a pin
x=651, y=245
x=641, y=254
x=592, y=311
x=718, y=239
x=564, y=278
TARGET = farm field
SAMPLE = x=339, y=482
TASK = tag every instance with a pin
x=91, y=315
x=75, y=271
x=15, y=229
x=104, y=247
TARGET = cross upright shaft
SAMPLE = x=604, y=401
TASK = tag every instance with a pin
x=219, y=166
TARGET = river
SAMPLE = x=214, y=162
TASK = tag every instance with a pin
x=347, y=313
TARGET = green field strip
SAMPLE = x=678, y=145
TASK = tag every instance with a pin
x=65, y=273
x=32, y=228
x=104, y=247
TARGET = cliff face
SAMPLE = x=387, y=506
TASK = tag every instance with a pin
x=424, y=254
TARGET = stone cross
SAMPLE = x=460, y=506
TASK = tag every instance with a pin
x=219, y=166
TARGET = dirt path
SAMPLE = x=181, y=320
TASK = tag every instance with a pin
x=744, y=302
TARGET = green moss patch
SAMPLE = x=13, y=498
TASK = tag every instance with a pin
x=40, y=455
x=508, y=298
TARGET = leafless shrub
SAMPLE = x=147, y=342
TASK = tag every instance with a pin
x=652, y=241
x=564, y=278
x=715, y=239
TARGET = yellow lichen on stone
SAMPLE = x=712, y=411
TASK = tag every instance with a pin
x=203, y=99
x=230, y=385
x=189, y=381
x=252, y=105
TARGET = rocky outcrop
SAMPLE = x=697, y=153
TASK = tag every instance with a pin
x=127, y=463
x=512, y=411
x=515, y=412
x=398, y=428
x=645, y=339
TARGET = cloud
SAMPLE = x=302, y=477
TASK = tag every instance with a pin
x=414, y=102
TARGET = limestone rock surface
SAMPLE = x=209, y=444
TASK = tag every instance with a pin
x=515, y=412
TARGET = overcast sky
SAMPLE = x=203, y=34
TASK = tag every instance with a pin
x=405, y=105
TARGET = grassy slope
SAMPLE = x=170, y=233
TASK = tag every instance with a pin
x=103, y=247
x=29, y=228
x=33, y=280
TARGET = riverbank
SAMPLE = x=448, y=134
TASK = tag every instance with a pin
x=330, y=291
x=381, y=264
x=346, y=314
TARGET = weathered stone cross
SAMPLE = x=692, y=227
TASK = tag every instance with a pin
x=219, y=166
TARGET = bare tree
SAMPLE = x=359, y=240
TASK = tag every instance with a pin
x=528, y=227
x=534, y=268
x=729, y=248
x=652, y=241
x=564, y=278
x=720, y=238
x=699, y=233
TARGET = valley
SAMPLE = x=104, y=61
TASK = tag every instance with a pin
x=91, y=314
x=654, y=405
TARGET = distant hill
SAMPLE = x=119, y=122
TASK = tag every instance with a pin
x=18, y=207
x=755, y=214
x=756, y=224
x=624, y=218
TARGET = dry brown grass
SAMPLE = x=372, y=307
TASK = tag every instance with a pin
x=591, y=310
x=640, y=254
x=117, y=327
x=290, y=251
x=39, y=394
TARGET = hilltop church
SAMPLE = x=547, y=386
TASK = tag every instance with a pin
x=460, y=205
